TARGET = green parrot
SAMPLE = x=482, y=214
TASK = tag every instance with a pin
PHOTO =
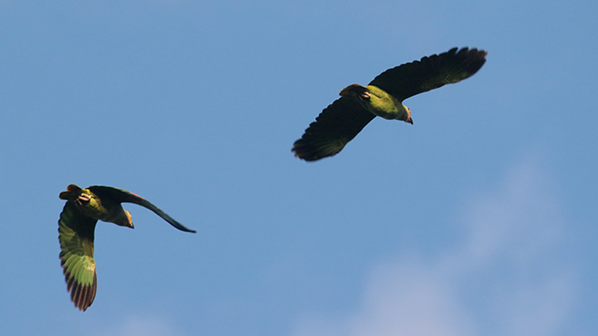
x=342, y=120
x=76, y=230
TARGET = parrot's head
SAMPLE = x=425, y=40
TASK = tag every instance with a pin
x=125, y=220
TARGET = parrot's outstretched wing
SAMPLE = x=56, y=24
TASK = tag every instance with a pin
x=430, y=72
x=76, y=233
x=336, y=125
x=121, y=195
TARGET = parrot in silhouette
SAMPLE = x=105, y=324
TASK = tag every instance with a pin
x=83, y=208
x=342, y=120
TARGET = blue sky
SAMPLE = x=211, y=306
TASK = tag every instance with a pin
x=479, y=219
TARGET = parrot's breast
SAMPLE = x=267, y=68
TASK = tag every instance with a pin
x=384, y=105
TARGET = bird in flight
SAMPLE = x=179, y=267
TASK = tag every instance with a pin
x=76, y=227
x=342, y=120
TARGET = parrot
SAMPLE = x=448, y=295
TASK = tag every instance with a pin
x=83, y=208
x=342, y=120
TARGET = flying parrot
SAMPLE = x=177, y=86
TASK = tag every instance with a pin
x=76, y=227
x=342, y=120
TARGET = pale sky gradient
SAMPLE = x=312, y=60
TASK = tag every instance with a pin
x=479, y=219
x=494, y=281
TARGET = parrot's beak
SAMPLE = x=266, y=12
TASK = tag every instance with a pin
x=409, y=120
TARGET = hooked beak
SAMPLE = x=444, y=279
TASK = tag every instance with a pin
x=129, y=222
x=409, y=120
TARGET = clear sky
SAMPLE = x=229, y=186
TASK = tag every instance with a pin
x=479, y=219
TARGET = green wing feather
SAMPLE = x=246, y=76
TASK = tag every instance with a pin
x=121, y=195
x=76, y=233
x=431, y=72
x=338, y=124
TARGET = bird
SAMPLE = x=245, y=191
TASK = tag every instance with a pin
x=83, y=208
x=342, y=120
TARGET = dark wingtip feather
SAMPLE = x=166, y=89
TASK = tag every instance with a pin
x=473, y=59
x=470, y=59
x=309, y=152
x=303, y=151
x=81, y=296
